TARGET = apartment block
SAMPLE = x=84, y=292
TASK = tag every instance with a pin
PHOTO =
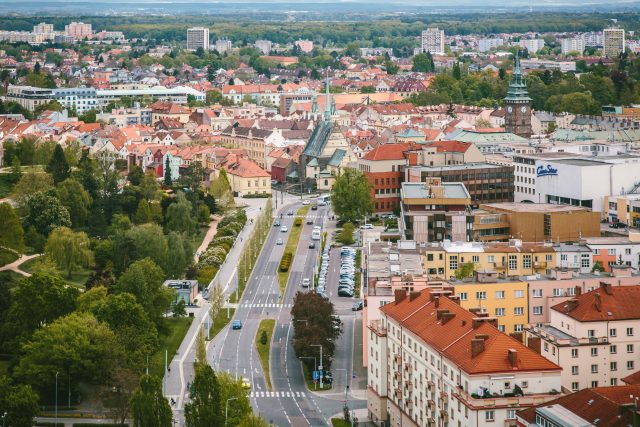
x=485, y=45
x=78, y=30
x=595, y=336
x=432, y=41
x=431, y=362
x=572, y=45
x=198, y=37
x=613, y=42
x=263, y=46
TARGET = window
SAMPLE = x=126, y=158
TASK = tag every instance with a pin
x=499, y=312
x=613, y=349
x=548, y=257
x=511, y=414
x=575, y=386
x=594, y=369
x=574, y=370
x=499, y=294
x=490, y=415
x=613, y=366
x=475, y=258
x=518, y=327
x=613, y=332
x=574, y=352
x=463, y=296
x=614, y=381
x=537, y=293
x=481, y=295
x=630, y=364
x=611, y=251
x=518, y=294
x=513, y=262
x=629, y=348
x=453, y=262
x=584, y=261
x=501, y=328
x=491, y=258
x=594, y=384
x=629, y=332
x=571, y=291
x=526, y=261
x=518, y=311
x=596, y=251
x=537, y=310
x=591, y=333
x=558, y=292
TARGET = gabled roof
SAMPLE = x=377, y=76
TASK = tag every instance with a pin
x=387, y=152
x=453, y=338
x=451, y=146
x=603, y=304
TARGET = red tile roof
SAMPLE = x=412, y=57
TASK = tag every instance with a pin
x=451, y=146
x=244, y=168
x=453, y=338
x=603, y=304
x=600, y=406
x=387, y=152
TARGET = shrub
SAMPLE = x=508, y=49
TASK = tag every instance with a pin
x=257, y=196
x=223, y=239
x=226, y=232
x=263, y=338
x=285, y=262
x=297, y=222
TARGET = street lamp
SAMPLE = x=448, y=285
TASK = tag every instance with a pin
x=315, y=367
x=57, y=372
x=319, y=367
x=4, y=419
x=226, y=409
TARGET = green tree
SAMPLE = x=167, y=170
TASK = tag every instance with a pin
x=167, y=173
x=391, y=68
x=89, y=353
x=149, y=407
x=88, y=116
x=58, y=166
x=204, y=409
x=143, y=213
x=351, y=196
x=346, y=235
x=214, y=97
x=11, y=232
x=181, y=252
x=76, y=199
x=144, y=279
x=456, y=73
x=69, y=250
x=30, y=184
x=465, y=270
x=45, y=213
x=179, y=217
x=204, y=215
x=87, y=174
x=16, y=170
x=368, y=89
x=252, y=420
x=135, y=175
x=147, y=241
x=18, y=404
x=421, y=63
x=231, y=387
x=221, y=189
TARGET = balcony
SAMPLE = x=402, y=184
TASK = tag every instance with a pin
x=502, y=401
x=540, y=264
x=376, y=327
x=408, y=387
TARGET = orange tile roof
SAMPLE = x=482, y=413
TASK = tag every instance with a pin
x=604, y=304
x=242, y=167
x=453, y=338
x=387, y=152
x=451, y=146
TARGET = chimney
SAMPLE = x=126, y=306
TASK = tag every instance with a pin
x=437, y=301
x=447, y=316
x=455, y=298
x=440, y=312
x=482, y=337
x=578, y=291
x=400, y=294
x=476, y=322
x=477, y=347
x=475, y=310
x=513, y=357
x=607, y=288
x=413, y=295
x=598, y=301
x=534, y=344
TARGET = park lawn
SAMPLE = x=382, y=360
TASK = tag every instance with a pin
x=266, y=325
x=78, y=278
x=292, y=246
x=220, y=322
x=6, y=186
x=177, y=328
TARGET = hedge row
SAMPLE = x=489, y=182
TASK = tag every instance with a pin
x=257, y=196
x=285, y=262
x=228, y=229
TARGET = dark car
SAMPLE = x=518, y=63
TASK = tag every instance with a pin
x=309, y=221
x=357, y=306
x=618, y=225
x=314, y=207
x=312, y=245
x=237, y=324
x=276, y=223
x=344, y=293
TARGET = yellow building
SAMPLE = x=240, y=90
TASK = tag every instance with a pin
x=246, y=177
x=624, y=209
x=506, y=300
x=506, y=259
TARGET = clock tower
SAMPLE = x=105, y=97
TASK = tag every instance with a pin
x=517, y=104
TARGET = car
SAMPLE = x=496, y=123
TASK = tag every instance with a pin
x=314, y=207
x=349, y=271
x=279, y=242
x=312, y=245
x=322, y=281
x=305, y=202
x=309, y=221
x=346, y=283
x=366, y=226
x=236, y=324
x=306, y=283
x=276, y=223
x=346, y=250
x=246, y=384
x=274, y=182
x=618, y=225
x=284, y=229
x=290, y=213
x=357, y=306
x=344, y=293
x=317, y=228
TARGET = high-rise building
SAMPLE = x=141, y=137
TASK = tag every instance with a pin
x=592, y=39
x=43, y=28
x=263, y=46
x=198, y=37
x=78, y=30
x=613, y=42
x=433, y=41
x=532, y=45
x=485, y=45
x=517, y=103
x=572, y=45
x=223, y=45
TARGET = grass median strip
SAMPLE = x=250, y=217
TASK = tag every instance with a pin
x=291, y=247
x=263, y=344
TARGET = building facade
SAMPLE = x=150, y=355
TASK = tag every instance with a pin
x=517, y=104
x=198, y=37
x=432, y=41
x=613, y=42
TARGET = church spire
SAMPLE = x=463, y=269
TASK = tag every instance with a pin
x=517, y=91
x=327, y=100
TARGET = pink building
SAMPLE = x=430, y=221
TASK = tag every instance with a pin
x=78, y=30
x=305, y=45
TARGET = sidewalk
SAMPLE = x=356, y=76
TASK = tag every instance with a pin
x=211, y=232
x=15, y=266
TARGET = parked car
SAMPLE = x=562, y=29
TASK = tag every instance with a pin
x=236, y=324
x=246, y=384
x=345, y=293
x=312, y=245
x=306, y=283
x=357, y=306
x=284, y=229
x=279, y=242
x=366, y=226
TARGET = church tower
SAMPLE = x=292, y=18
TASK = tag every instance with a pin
x=517, y=104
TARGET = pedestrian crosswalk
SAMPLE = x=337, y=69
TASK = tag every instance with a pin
x=279, y=394
x=267, y=305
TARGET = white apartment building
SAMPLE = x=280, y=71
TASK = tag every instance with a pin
x=613, y=42
x=433, y=41
x=485, y=45
x=198, y=37
x=43, y=28
x=592, y=39
x=532, y=45
x=594, y=336
x=433, y=363
x=263, y=46
x=575, y=44
x=223, y=45
x=305, y=45
x=78, y=30
x=81, y=99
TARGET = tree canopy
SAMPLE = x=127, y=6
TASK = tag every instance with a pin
x=351, y=196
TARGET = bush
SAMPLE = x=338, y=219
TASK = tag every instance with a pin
x=263, y=337
x=226, y=232
x=297, y=222
x=346, y=235
x=285, y=262
x=257, y=196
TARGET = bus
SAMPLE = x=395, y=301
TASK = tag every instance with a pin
x=324, y=199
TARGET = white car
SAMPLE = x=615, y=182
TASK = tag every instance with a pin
x=305, y=283
x=305, y=202
x=366, y=226
x=284, y=229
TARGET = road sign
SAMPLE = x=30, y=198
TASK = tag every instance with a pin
x=316, y=375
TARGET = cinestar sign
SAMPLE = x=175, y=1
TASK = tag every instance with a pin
x=548, y=171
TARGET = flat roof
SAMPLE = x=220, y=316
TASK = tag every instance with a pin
x=464, y=166
x=580, y=162
x=556, y=332
x=418, y=190
x=532, y=207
